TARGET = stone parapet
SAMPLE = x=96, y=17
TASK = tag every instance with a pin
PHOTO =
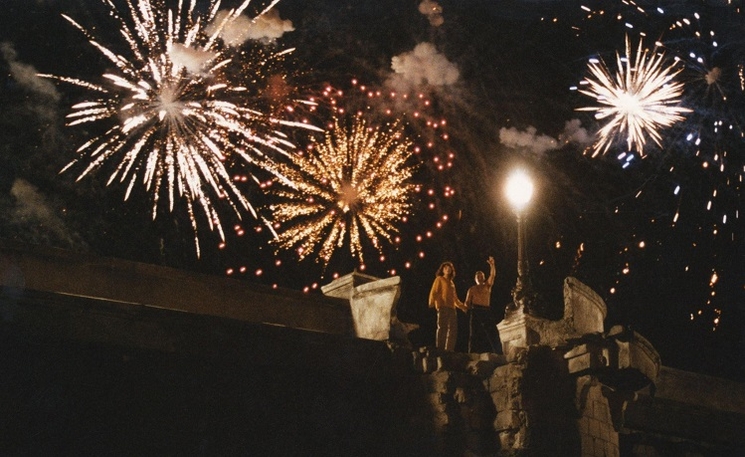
x=57, y=272
x=343, y=286
x=622, y=359
x=584, y=313
x=372, y=303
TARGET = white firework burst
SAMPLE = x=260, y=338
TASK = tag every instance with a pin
x=639, y=99
x=178, y=107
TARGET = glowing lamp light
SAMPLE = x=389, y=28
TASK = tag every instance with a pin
x=519, y=190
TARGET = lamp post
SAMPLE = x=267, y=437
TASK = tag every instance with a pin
x=519, y=190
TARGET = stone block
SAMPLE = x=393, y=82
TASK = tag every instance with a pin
x=595, y=428
x=581, y=363
x=440, y=420
x=481, y=416
x=438, y=381
x=515, y=386
x=373, y=307
x=501, y=401
x=588, y=443
x=437, y=399
x=507, y=420
x=453, y=361
x=514, y=334
x=372, y=302
x=343, y=287
x=509, y=370
x=583, y=308
x=506, y=440
x=586, y=357
x=481, y=368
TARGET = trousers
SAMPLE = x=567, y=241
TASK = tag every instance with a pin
x=447, y=329
x=483, y=335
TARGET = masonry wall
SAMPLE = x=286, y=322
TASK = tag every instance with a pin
x=595, y=425
x=535, y=408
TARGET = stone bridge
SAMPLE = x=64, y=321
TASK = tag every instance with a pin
x=108, y=357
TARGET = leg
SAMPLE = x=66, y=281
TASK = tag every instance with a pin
x=452, y=332
x=441, y=335
x=489, y=328
x=447, y=328
x=471, y=328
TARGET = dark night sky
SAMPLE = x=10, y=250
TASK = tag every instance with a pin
x=614, y=228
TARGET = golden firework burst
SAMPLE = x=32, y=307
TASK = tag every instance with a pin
x=353, y=185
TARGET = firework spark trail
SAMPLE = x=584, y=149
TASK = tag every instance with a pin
x=712, y=178
x=640, y=98
x=713, y=72
x=352, y=186
x=714, y=88
x=179, y=116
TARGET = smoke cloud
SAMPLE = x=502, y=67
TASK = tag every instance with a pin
x=423, y=65
x=267, y=27
x=536, y=144
x=527, y=139
x=575, y=133
x=433, y=11
x=32, y=208
x=26, y=75
x=193, y=60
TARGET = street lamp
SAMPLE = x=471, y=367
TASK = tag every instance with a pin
x=519, y=190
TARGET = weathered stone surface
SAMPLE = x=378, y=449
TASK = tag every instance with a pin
x=586, y=357
x=343, y=286
x=633, y=361
x=507, y=420
x=372, y=302
x=136, y=284
x=374, y=306
x=706, y=414
x=583, y=308
x=482, y=368
x=454, y=361
x=622, y=359
x=439, y=381
x=584, y=313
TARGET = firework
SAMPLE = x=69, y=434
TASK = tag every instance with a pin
x=177, y=115
x=639, y=99
x=434, y=201
x=353, y=185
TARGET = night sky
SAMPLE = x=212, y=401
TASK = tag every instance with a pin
x=660, y=238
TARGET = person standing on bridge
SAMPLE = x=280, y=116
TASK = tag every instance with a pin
x=444, y=299
x=483, y=335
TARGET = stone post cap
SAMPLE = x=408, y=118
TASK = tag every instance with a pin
x=343, y=286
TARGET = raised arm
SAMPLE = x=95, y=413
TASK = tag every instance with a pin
x=492, y=271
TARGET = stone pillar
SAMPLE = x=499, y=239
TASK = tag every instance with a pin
x=372, y=303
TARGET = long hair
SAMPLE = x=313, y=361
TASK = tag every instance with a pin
x=442, y=267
